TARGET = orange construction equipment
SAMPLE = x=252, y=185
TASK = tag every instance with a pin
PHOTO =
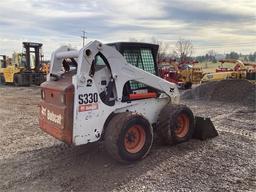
x=183, y=74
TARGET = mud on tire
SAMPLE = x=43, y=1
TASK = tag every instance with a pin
x=128, y=137
x=175, y=124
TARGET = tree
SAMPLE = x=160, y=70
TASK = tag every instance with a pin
x=184, y=49
x=252, y=57
x=164, y=49
x=201, y=58
x=232, y=55
x=212, y=56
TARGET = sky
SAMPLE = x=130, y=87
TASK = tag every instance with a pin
x=218, y=25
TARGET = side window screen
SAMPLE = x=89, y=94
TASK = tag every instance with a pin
x=143, y=59
x=148, y=61
x=133, y=57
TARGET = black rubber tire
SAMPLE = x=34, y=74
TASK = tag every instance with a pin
x=188, y=85
x=167, y=124
x=115, y=132
x=2, y=79
x=16, y=80
x=22, y=79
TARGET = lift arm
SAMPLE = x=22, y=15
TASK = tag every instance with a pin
x=122, y=71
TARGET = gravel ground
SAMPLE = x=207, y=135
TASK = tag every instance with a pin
x=30, y=160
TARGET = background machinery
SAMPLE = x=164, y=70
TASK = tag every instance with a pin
x=3, y=61
x=112, y=93
x=183, y=74
x=3, y=64
x=26, y=67
x=241, y=70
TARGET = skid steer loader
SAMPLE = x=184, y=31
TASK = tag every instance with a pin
x=112, y=93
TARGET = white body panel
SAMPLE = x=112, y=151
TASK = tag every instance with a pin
x=90, y=116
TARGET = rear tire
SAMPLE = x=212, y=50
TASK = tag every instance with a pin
x=128, y=137
x=175, y=124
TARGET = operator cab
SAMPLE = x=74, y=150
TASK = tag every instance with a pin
x=143, y=56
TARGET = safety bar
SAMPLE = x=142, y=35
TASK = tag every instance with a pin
x=67, y=54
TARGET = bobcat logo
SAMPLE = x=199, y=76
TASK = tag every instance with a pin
x=171, y=89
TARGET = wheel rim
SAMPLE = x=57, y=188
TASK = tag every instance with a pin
x=182, y=125
x=135, y=138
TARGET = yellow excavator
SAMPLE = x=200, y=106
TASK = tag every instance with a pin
x=26, y=67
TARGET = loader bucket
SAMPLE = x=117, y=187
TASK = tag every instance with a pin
x=204, y=128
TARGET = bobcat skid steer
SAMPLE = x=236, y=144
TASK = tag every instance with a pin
x=112, y=93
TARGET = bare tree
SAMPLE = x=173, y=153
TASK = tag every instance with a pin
x=184, y=49
x=210, y=57
x=164, y=49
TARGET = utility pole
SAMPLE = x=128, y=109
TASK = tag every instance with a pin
x=84, y=36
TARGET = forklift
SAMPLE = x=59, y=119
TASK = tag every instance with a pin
x=3, y=64
x=27, y=68
x=3, y=61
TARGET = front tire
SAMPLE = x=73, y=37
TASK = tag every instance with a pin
x=128, y=137
x=16, y=80
x=175, y=124
x=188, y=85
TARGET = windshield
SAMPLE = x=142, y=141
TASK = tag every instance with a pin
x=141, y=58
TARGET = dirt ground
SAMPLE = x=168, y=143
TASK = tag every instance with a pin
x=30, y=160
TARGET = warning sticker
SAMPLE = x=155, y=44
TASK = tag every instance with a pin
x=88, y=107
